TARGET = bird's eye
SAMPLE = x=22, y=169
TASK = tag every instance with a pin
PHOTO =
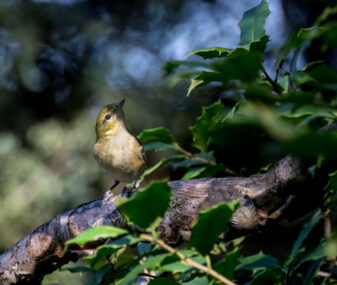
x=107, y=117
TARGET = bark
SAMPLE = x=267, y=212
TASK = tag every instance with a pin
x=262, y=197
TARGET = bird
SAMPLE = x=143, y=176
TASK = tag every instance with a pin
x=118, y=152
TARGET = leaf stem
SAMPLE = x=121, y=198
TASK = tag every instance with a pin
x=202, y=160
x=188, y=261
x=271, y=81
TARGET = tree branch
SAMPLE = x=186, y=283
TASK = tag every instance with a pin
x=41, y=251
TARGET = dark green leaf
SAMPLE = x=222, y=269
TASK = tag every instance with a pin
x=109, y=248
x=159, y=164
x=157, y=146
x=143, y=247
x=305, y=232
x=99, y=232
x=253, y=22
x=172, y=66
x=197, y=281
x=233, y=66
x=141, y=209
x=209, y=53
x=259, y=45
x=316, y=254
x=123, y=256
x=257, y=262
x=159, y=134
x=211, y=223
x=227, y=266
x=97, y=277
x=209, y=118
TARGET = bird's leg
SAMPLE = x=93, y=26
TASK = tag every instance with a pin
x=136, y=184
x=115, y=184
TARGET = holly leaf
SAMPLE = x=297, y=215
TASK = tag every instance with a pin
x=210, y=117
x=252, y=24
x=147, y=204
x=211, y=223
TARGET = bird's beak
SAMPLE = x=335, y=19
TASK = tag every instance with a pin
x=119, y=105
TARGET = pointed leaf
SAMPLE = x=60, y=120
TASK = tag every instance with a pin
x=305, y=232
x=209, y=118
x=99, y=232
x=209, y=53
x=159, y=134
x=253, y=22
x=211, y=223
x=194, y=84
x=147, y=204
x=257, y=262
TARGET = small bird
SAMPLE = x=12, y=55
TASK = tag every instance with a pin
x=117, y=151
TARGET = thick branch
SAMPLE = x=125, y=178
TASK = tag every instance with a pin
x=40, y=252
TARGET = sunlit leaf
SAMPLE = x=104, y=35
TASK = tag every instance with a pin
x=194, y=84
x=211, y=223
x=209, y=53
x=253, y=22
x=141, y=209
x=99, y=232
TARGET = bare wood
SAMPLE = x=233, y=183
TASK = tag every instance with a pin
x=40, y=252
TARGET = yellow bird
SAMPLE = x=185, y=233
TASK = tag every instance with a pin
x=117, y=151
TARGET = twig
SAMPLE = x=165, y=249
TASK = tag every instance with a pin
x=271, y=81
x=188, y=261
x=203, y=160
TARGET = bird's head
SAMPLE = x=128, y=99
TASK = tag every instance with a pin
x=110, y=119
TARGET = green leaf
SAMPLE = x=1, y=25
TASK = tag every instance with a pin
x=194, y=84
x=227, y=266
x=194, y=172
x=211, y=223
x=232, y=67
x=179, y=267
x=151, y=263
x=317, y=253
x=161, y=163
x=253, y=22
x=259, y=45
x=171, y=66
x=158, y=146
x=209, y=53
x=147, y=204
x=305, y=232
x=123, y=256
x=257, y=262
x=198, y=281
x=99, y=232
x=159, y=134
x=209, y=118
x=109, y=248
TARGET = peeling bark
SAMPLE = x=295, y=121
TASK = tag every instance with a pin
x=260, y=196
